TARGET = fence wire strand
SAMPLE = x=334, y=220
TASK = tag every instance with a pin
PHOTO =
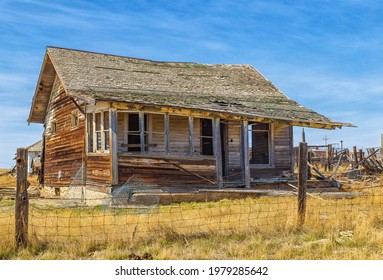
x=61, y=221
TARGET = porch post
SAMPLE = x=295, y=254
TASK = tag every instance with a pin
x=191, y=135
x=141, y=117
x=167, y=133
x=113, y=144
x=218, y=151
x=245, y=153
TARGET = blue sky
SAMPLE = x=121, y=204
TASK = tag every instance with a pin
x=326, y=55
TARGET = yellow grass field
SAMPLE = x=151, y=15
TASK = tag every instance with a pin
x=256, y=228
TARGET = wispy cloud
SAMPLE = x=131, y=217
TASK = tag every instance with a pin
x=325, y=55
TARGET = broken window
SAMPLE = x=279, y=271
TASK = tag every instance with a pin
x=74, y=119
x=53, y=128
x=207, y=137
x=259, y=143
x=98, y=132
x=133, y=132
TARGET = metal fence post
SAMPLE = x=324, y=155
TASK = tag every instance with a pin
x=21, y=213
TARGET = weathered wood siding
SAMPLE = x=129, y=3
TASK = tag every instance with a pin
x=64, y=149
x=234, y=145
x=282, y=146
x=98, y=170
x=163, y=173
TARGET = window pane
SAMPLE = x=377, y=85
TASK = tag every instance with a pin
x=98, y=121
x=207, y=137
x=98, y=135
x=90, y=132
x=106, y=120
x=133, y=122
x=260, y=147
x=106, y=136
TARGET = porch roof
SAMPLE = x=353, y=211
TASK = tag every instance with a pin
x=219, y=88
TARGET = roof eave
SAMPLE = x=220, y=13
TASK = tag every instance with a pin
x=47, y=69
x=254, y=117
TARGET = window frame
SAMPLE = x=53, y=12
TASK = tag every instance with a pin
x=75, y=119
x=270, y=133
x=127, y=132
x=102, y=131
x=53, y=128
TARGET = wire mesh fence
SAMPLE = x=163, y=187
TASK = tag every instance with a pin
x=125, y=218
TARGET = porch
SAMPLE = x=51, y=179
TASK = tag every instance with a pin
x=189, y=149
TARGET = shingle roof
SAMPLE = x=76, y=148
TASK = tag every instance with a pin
x=232, y=89
x=36, y=147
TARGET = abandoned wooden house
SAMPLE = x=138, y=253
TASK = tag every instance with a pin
x=109, y=118
x=34, y=154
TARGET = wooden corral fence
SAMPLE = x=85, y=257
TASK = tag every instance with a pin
x=325, y=157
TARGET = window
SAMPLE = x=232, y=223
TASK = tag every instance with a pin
x=207, y=137
x=98, y=132
x=53, y=127
x=133, y=134
x=259, y=143
x=74, y=119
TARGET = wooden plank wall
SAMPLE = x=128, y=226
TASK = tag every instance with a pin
x=158, y=171
x=98, y=170
x=64, y=150
x=282, y=146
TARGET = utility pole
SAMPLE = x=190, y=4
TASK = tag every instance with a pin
x=303, y=136
x=341, y=145
x=325, y=139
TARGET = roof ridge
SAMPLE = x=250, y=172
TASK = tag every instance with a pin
x=149, y=60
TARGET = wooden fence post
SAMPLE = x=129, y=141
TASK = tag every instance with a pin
x=308, y=167
x=302, y=183
x=21, y=214
x=355, y=157
x=329, y=157
x=361, y=155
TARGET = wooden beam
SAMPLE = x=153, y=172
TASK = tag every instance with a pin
x=167, y=133
x=77, y=105
x=191, y=135
x=141, y=120
x=217, y=151
x=113, y=124
x=245, y=153
x=317, y=171
x=190, y=172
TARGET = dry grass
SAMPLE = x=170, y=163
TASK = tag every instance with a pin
x=262, y=228
x=6, y=179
